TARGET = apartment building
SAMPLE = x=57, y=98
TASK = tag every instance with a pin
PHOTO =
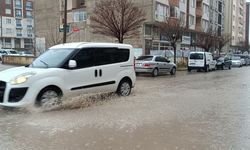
x=202, y=15
x=17, y=24
x=216, y=16
x=247, y=21
x=235, y=22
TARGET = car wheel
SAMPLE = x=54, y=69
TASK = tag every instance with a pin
x=49, y=98
x=124, y=88
x=189, y=69
x=222, y=67
x=155, y=72
x=229, y=67
x=173, y=71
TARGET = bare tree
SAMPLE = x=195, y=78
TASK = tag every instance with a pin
x=206, y=40
x=222, y=41
x=174, y=29
x=117, y=18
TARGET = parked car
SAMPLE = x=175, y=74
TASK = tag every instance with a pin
x=245, y=59
x=8, y=52
x=236, y=61
x=69, y=69
x=26, y=53
x=201, y=61
x=154, y=65
x=223, y=62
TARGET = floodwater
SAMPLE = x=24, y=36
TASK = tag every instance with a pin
x=203, y=111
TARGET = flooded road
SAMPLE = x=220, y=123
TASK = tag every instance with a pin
x=203, y=111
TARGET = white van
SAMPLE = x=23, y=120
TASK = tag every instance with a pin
x=69, y=69
x=201, y=60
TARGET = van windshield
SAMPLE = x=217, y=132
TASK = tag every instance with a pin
x=196, y=56
x=52, y=58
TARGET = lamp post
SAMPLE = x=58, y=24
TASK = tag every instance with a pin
x=65, y=22
x=1, y=17
x=173, y=44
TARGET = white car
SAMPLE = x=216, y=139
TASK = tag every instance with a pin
x=201, y=60
x=8, y=52
x=69, y=69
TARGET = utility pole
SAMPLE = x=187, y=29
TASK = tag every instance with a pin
x=65, y=22
x=187, y=19
x=1, y=17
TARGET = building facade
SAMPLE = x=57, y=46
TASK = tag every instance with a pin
x=247, y=22
x=17, y=24
x=216, y=16
x=235, y=22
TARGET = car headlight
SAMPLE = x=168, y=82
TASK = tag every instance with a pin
x=22, y=78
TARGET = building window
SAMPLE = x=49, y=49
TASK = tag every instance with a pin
x=18, y=13
x=161, y=12
x=28, y=14
x=18, y=3
x=182, y=18
x=80, y=16
x=17, y=43
x=8, y=21
x=191, y=20
x=148, y=30
x=174, y=12
x=29, y=5
x=8, y=2
x=8, y=11
x=7, y=42
x=193, y=3
x=8, y=31
x=28, y=43
x=183, y=1
x=205, y=9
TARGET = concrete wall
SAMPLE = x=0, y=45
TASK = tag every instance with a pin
x=17, y=60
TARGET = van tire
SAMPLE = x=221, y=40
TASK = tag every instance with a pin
x=53, y=96
x=229, y=67
x=155, y=72
x=124, y=88
x=189, y=69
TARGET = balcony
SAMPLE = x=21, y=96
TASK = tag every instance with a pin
x=174, y=3
x=29, y=8
x=19, y=35
x=30, y=35
x=19, y=16
x=18, y=6
x=19, y=26
x=29, y=26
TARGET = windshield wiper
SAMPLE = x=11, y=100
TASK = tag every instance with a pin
x=47, y=65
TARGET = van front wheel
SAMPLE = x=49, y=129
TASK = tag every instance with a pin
x=124, y=88
x=49, y=98
x=206, y=69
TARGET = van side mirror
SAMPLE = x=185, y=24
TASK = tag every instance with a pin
x=72, y=64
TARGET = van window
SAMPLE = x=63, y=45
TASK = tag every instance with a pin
x=196, y=56
x=84, y=58
x=104, y=56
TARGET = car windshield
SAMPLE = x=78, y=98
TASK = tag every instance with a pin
x=196, y=56
x=236, y=58
x=52, y=58
x=145, y=58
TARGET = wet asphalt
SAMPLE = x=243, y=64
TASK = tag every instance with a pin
x=197, y=110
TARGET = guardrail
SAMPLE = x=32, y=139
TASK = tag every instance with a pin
x=17, y=60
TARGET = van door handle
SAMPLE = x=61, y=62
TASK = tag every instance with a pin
x=95, y=73
x=100, y=72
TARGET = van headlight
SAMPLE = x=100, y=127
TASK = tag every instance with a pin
x=22, y=78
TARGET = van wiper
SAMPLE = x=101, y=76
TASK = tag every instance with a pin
x=47, y=65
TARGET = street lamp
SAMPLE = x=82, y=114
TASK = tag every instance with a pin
x=1, y=17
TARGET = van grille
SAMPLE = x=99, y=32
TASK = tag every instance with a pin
x=2, y=90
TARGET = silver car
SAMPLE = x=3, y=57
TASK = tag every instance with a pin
x=154, y=65
x=236, y=61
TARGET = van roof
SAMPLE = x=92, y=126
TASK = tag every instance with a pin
x=90, y=44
